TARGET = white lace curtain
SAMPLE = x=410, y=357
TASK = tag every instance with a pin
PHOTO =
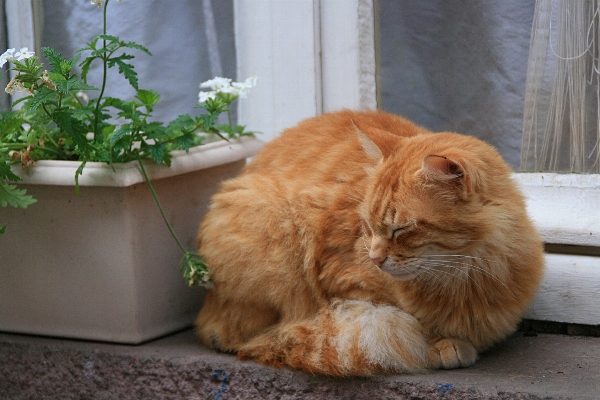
x=561, y=129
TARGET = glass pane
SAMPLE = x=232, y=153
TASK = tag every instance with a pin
x=191, y=42
x=458, y=66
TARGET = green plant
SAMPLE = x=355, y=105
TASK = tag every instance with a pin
x=58, y=120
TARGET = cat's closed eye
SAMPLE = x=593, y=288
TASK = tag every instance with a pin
x=399, y=230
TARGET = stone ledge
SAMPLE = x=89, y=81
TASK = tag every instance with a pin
x=523, y=367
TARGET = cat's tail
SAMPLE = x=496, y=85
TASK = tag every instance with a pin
x=350, y=338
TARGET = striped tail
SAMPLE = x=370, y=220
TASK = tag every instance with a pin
x=351, y=338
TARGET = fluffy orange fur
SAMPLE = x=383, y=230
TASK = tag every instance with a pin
x=358, y=242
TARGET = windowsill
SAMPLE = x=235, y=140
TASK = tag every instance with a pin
x=175, y=367
x=564, y=207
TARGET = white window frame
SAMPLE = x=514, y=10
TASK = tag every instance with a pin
x=313, y=56
x=24, y=23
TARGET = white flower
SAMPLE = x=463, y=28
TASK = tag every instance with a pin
x=216, y=83
x=8, y=55
x=98, y=2
x=203, y=96
x=24, y=53
x=244, y=87
x=226, y=86
x=228, y=89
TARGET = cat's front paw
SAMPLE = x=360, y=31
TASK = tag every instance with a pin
x=451, y=353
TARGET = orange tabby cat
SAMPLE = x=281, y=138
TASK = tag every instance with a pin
x=358, y=243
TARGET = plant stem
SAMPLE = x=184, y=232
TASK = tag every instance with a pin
x=105, y=71
x=162, y=213
x=229, y=119
x=13, y=146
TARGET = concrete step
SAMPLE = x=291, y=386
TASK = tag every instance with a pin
x=544, y=366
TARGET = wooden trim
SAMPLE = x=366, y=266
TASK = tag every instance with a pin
x=564, y=207
x=24, y=26
x=566, y=211
x=278, y=42
x=348, y=54
x=570, y=291
x=310, y=56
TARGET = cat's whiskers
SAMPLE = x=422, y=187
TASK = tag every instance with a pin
x=465, y=278
x=465, y=265
x=462, y=256
x=436, y=275
x=433, y=266
x=471, y=261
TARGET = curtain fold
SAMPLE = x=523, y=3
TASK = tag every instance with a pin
x=458, y=66
x=561, y=121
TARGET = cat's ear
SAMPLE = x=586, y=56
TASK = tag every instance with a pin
x=452, y=173
x=376, y=143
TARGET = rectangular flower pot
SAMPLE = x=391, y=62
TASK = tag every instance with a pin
x=103, y=266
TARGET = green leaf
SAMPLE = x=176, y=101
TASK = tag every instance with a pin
x=76, y=130
x=149, y=98
x=158, y=152
x=115, y=137
x=77, y=173
x=208, y=120
x=72, y=84
x=125, y=69
x=41, y=96
x=185, y=141
x=109, y=38
x=10, y=124
x=54, y=57
x=61, y=65
x=21, y=100
x=180, y=124
x=29, y=71
x=128, y=109
x=225, y=128
x=7, y=174
x=90, y=46
x=85, y=67
x=154, y=130
x=215, y=105
x=2, y=229
x=134, y=45
x=11, y=196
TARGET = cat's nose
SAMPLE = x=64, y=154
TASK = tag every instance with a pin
x=378, y=259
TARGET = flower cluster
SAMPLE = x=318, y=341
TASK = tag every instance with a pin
x=225, y=89
x=16, y=85
x=99, y=2
x=10, y=55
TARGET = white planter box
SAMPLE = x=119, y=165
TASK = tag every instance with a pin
x=103, y=266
